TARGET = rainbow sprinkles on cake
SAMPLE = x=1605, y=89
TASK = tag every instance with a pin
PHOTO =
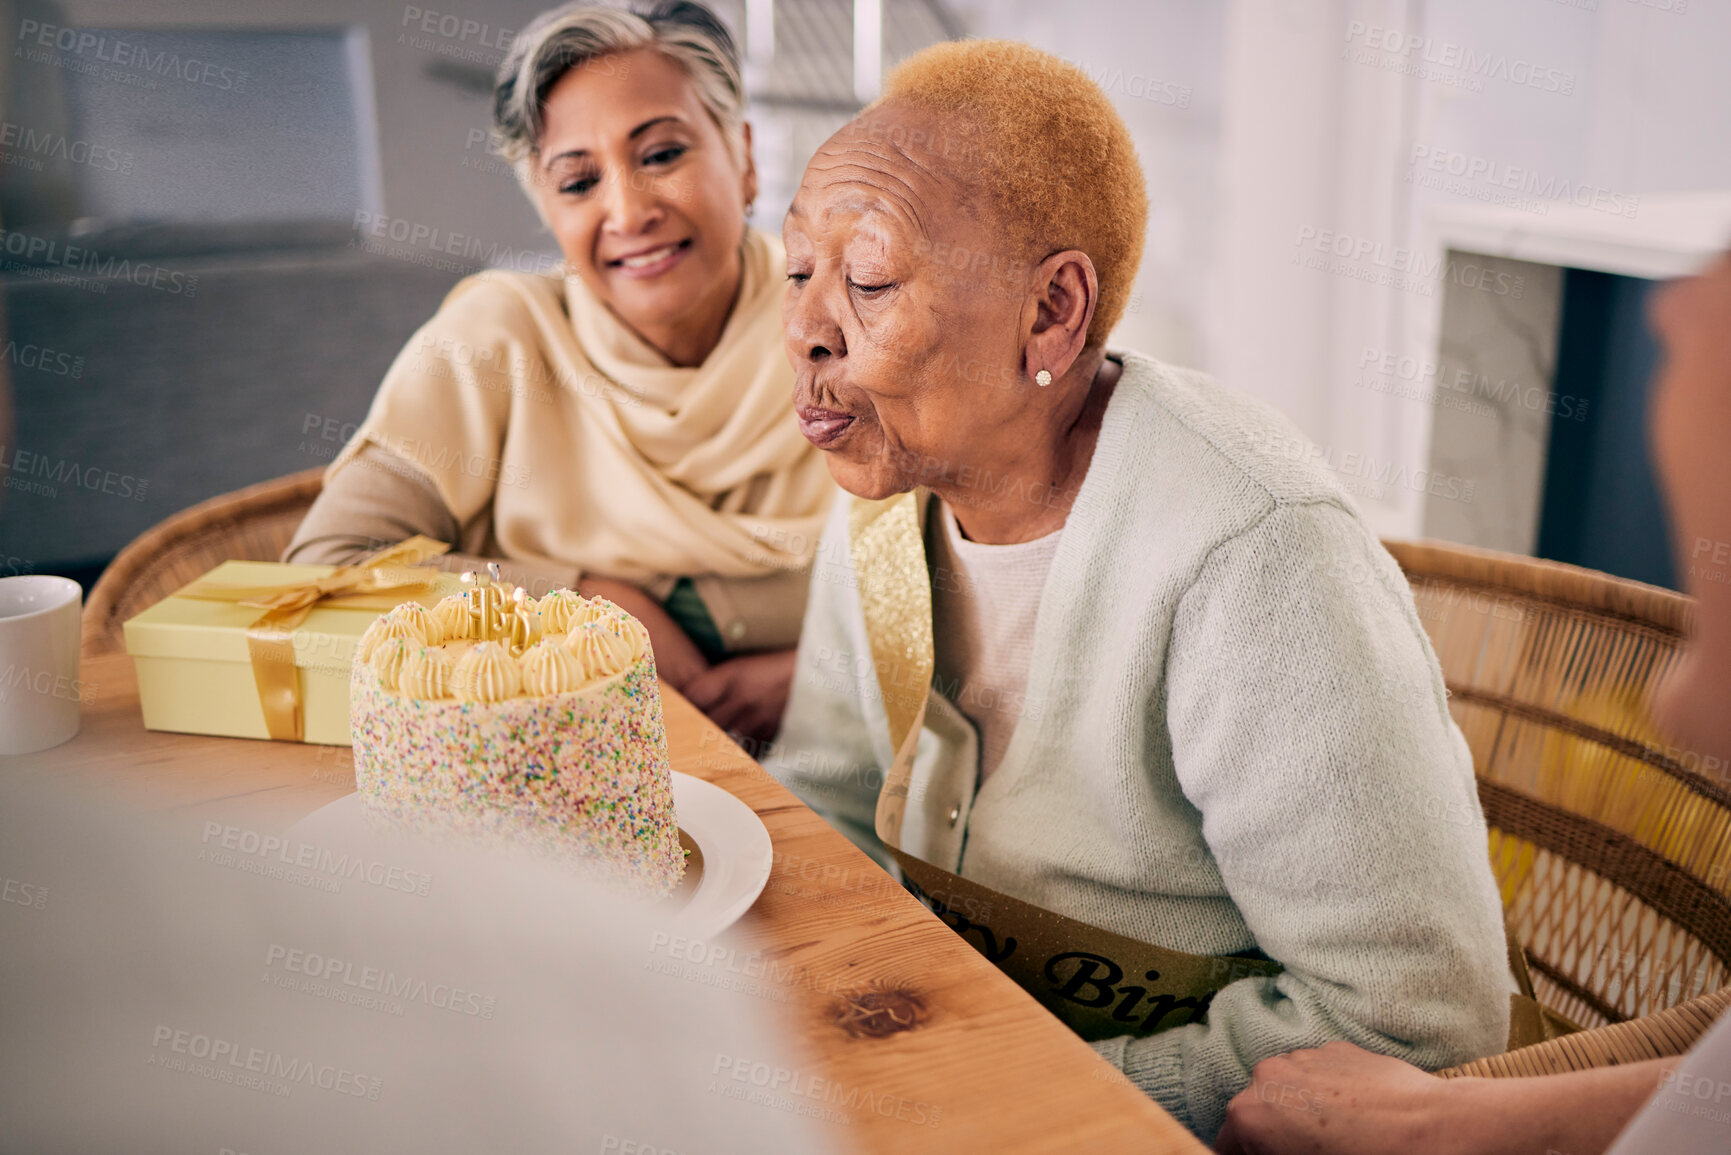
x=533, y=722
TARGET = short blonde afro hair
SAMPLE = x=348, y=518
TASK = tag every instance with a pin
x=1047, y=146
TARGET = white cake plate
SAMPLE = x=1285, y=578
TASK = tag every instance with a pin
x=731, y=860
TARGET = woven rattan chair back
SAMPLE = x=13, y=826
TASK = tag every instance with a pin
x=251, y=524
x=1659, y=1036
x=1611, y=845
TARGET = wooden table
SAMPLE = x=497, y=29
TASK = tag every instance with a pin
x=855, y=954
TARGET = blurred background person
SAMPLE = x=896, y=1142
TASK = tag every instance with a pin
x=225, y=1009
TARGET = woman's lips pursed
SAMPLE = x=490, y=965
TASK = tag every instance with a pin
x=822, y=427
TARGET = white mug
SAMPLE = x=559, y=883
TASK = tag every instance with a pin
x=39, y=639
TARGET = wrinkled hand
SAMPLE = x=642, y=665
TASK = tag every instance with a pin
x=745, y=695
x=1338, y=1099
x=677, y=659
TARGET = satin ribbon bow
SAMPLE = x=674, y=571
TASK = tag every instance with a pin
x=378, y=583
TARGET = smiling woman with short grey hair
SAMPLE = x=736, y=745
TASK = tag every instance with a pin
x=622, y=429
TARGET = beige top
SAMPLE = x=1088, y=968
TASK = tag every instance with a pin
x=985, y=599
x=555, y=438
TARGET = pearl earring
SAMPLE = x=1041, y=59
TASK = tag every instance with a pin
x=1043, y=377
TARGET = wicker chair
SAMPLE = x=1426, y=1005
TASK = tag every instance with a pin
x=1612, y=849
x=253, y=524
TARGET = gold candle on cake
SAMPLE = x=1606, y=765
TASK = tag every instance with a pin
x=486, y=604
x=520, y=627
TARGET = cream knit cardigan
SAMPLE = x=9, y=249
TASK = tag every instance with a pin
x=1235, y=736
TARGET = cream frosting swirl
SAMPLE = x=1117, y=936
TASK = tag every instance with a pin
x=550, y=668
x=450, y=619
x=558, y=608
x=393, y=625
x=426, y=673
x=370, y=639
x=387, y=660
x=487, y=673
x=636, y=636
x=599, y=648
x=414, y=614
x=600, y=610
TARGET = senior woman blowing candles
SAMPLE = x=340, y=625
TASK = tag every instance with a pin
x=1077, y=642
x=622, y=429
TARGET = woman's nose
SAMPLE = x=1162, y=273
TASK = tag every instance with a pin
x=632, y=206
x=811, y=330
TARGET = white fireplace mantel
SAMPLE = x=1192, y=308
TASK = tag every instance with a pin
x=1670, y=235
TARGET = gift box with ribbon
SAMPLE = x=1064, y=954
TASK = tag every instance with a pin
x=262, y=650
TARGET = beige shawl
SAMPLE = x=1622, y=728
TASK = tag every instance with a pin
x=526, y=399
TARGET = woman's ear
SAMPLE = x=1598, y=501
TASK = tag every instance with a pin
x=1065, y=291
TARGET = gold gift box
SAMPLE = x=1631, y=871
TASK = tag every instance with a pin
x=195, y=669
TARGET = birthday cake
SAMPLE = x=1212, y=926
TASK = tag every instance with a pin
x=537, y=723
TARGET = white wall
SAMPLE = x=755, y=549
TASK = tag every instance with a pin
x=1319, y=131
